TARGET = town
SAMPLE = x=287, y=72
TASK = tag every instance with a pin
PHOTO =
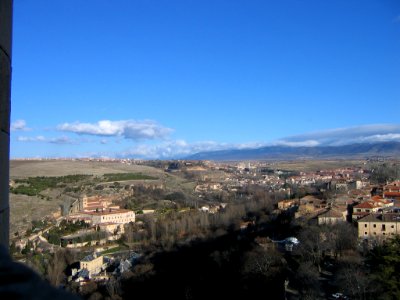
x=107, y=226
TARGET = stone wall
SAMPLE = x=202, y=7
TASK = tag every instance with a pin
x=5, y=105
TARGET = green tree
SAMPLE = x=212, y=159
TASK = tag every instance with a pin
x=384, y=262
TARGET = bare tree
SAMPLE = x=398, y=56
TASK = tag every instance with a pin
x=354, y=281
x=260, y=262
x=56, y=267
x=314, y=242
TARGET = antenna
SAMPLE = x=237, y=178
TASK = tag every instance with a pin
x=5, y=105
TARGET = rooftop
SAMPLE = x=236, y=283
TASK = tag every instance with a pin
x=108, y=212
x=390, y=217
x=365, y=205
x=90, y=257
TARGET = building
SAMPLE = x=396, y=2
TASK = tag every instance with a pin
x=363, y=209
x=331, y=217
x=391, y=195
x=92, y=263
x=379, y=225
x=311, y=204
x=393, y=187
x=392, y=191
x=285, y=204
x=375, y=204
x=116, y=216
x=119, y=216
x=96, y=203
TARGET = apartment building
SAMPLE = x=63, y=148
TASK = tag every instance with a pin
x=379, y=225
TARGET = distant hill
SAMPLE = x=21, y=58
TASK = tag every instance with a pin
x=364, y=150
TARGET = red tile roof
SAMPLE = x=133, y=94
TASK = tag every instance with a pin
x=365, y=205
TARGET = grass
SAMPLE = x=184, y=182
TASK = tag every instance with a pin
x=112, y=250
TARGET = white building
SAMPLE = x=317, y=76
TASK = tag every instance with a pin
x=119, y=216
x=116, y=216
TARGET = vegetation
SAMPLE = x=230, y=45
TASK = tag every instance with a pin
x=381, y=173
x=112, y=250
x=231, y=253
x=33, y=186
x=127, y=176
x=56, y=233
x=384, y=265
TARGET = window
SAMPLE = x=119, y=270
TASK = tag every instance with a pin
x=392, y=226
x=365, y=233
x=383, y=227
x=374, y=225
x=365, y=225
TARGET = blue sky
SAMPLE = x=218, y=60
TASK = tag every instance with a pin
x=159, y=79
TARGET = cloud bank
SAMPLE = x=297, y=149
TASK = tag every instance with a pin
x=145, y=133
x=332, y=137
x=128, y=129
x=344, y=136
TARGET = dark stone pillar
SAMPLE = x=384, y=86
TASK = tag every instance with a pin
x=5, y=105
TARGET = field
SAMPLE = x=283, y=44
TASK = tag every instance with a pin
x=315, y=165
x=24, y=209
x=24, y=169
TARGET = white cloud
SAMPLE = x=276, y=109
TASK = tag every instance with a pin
x=180, y=148
x=19, y=125
x=38, y=138
x=332, y=137
x=129, y=129
x=63, y=140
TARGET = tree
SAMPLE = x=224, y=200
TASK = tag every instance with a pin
x=113, y=288
x=382, y=173
x=354, y=281
x=313, y=243
x=264, y=263
x=384, y=262
x=307, y=276
x=262, y=268
x=56, y=267
x=344, y=237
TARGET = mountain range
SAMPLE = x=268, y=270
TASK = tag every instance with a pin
x=359, y=151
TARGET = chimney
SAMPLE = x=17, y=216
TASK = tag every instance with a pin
x=6, y=7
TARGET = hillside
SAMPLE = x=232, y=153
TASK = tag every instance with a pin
x=26, y=208
x=353, y=151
